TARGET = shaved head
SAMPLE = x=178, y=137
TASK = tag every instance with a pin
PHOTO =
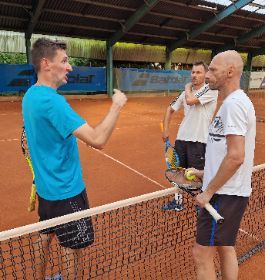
x=231, y=58
x=225, y=72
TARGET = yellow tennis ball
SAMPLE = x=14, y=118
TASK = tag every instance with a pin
x=189, y=176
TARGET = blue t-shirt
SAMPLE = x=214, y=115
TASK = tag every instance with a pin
x=49, y=122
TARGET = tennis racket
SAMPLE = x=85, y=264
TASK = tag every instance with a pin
x=171, y=156
x=25, y=150
x=177, y=178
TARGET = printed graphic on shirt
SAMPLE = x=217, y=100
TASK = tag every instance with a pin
x=201, y=93
x=175, y=100
x=216, y=131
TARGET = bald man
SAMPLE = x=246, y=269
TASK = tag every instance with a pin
x=228, y=167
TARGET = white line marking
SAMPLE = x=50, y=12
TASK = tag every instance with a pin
x=145, y=116
x=9, y=140
x=249, y=234
x=130, y=168
x=6, y=114
x=135, y=126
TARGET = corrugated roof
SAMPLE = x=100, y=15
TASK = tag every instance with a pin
x=164, y=23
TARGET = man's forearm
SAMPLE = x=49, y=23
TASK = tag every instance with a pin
x=227, y=169
x=189, y=96
x=98, y=136
x=105, y=128
x=166, y=122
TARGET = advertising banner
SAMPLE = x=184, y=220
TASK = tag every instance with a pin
x=129, y=79
x=18, y=78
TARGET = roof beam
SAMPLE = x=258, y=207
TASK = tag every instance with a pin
x=260, y=51
x=132, y=20
x=156, y=26
x=252, y=34
x=15, y=5
x=195, y=20
x=37, y=9
x=176, y=17
x=78, y=26
x=121, y=21
x=205, y=26
x=213, y=5
x=105, y=5
x=245, y=37
x=13, y=18
x=151, y=35
x=80, y=15
x=89, y=16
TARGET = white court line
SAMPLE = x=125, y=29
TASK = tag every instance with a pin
x=9, y=140
x=249, y=234
x=137, y=115
x=130, y=168
x=6, y=114
x=135, y=126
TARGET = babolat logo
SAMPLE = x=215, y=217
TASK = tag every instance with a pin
x=78, y=79
x=142, y=81
x=145, y=78
x=22, y=81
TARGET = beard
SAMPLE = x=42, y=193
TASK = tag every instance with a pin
x=213, y=86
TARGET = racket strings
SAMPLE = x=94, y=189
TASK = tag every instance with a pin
x=172, y=157
x=25, y=150
x=177, y=176
x=24, y=144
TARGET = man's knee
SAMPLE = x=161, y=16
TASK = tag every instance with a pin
x=202, y=254
x=197, y=254
x=226, y=251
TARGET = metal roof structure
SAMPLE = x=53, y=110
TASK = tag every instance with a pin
x=173, y=23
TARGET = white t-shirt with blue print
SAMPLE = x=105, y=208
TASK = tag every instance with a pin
x=236, y=116
x=49, y=122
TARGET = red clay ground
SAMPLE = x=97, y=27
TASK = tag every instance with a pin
x=135, y=146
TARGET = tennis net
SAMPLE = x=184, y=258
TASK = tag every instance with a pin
x=133, y=239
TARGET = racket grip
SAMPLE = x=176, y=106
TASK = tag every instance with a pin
x=32, y=199
x=218, y=218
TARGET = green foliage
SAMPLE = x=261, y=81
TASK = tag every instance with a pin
x=79, y=61
x=13, y=58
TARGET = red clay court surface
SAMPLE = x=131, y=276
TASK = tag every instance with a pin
x=130, y=165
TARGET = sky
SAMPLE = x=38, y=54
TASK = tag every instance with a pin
x=257, y=6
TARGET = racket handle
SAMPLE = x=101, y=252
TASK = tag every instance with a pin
x=32, y=199
x=218, y=218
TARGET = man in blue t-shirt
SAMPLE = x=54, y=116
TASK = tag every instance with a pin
x=52, y=127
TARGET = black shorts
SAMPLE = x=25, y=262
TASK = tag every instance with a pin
x=232, y=208
x=75, y=235
x=191, y=154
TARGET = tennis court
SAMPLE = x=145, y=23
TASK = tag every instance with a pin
x=132, y=164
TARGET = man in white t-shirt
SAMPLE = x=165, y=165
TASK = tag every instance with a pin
x=199, y=103
x=228, y=167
